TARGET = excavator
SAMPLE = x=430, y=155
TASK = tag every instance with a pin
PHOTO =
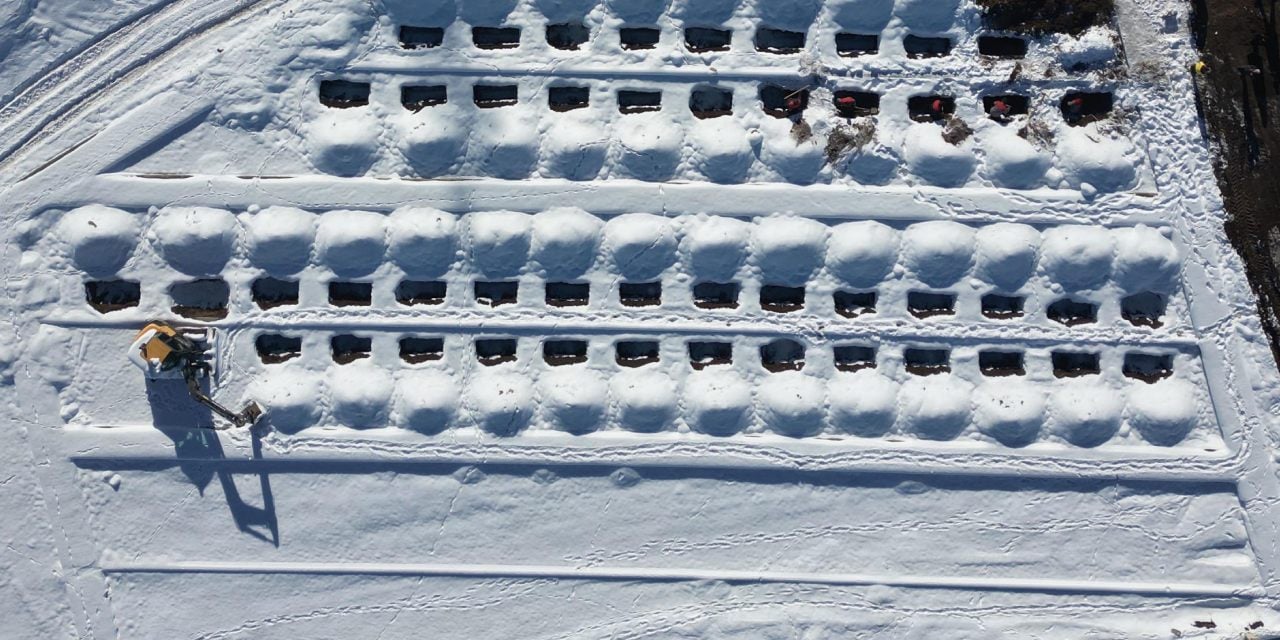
x=166, y=352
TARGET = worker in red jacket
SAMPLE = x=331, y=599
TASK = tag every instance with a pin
x=999, y=110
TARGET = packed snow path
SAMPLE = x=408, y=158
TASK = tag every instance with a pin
x=630, y=319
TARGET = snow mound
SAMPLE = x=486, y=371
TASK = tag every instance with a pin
x=351, y=243
x=288, y=397
x=422, y=240
x=793, y=404
x=708, y=12
x=722, y=151
x=197, y=241
x=344, y=142
x=574, y=400
x=101, y=239
x=504, y=142
x=717, y=403
x=788, y=250
x=1077, y=257
x=936, y=407
x=642, y=245
x=1085, y=414
x=500, y=403
x=862, y=253
x=577, y=148
x=1011, y=161
x=797, y=162
x=360, y=393
x=425, y=12
x=1093, y=47
x=426, y=401
x=565, y=240
x=794, y=14
x=935, y=160
x=564, y=10
x=1086, y=156
x=433, y=140
x=1009, y=411
x=927, y=15
x=1006, y=254
x=868, y=16
x=1164, y=412
x=645, y=400
x=1145, y=260
x=650, y=146
x=279, y=239
x=863, y=403
x=499, y=242
x=717, y=247
x=939, y=252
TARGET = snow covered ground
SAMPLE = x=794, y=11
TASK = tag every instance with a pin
x=612, y=341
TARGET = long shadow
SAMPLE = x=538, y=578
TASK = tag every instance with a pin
x=198, y=452
x=1250, y=132
x=1271, y=40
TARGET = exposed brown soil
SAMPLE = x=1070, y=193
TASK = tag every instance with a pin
x=1047, y=16
x=1239, y=108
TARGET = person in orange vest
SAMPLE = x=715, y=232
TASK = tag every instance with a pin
x=939, y=109
x=999, y=110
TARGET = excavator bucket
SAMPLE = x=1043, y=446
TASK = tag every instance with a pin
x=165, y=352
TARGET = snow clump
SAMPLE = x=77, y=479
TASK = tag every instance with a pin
x=499, y=242
x=426, y=401
x=505, y=142
x=500, y=402
x=939, y=252
x=101, y=238
x=422, y=240
x=788, y=250
x=574, y=400
x=565, y=240
x=936, y=407
x=793, y=404
x=1011, y=161
x=433, y=140
x=723, y=152
x=578, y=149
x=644, y=400
x=288, y=398
x=344, y=142
x=1085, y=414
x=649, y=146
x=717, y=247
x=717, y=403
x=195, y=240
x=863, y=403
x=642, y=245
x=351, y=243
x=1077, y=257
x=1088, y=157
x=360, y=393
x=1091, y=48
x=1145, y=260
x=279, y=239
x=1006, y=254
x=862, y=253
x=1164, y=412
x=935, y=160
x=1010, y=412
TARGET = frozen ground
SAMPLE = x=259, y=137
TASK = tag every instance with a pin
x=622, y=370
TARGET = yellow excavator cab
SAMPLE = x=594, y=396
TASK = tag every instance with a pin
x=162, y=351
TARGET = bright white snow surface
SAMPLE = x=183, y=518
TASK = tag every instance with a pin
x=619, y=371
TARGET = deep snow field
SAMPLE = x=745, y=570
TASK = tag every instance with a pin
x=566, y=327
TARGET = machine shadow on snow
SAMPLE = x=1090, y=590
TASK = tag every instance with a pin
x=198, y=452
